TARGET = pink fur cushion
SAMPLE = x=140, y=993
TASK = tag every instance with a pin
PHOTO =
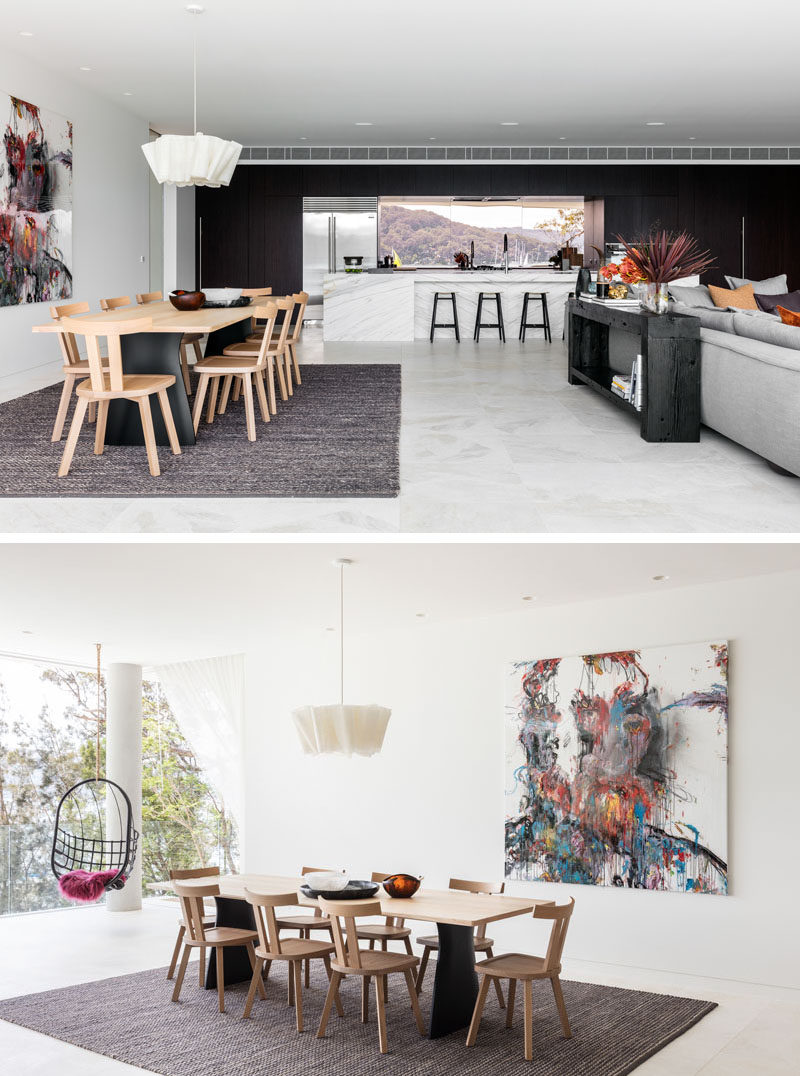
x=85, y=886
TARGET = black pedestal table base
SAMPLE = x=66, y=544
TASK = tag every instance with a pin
x=455, y=987
x=231, y=913
x=151, y=353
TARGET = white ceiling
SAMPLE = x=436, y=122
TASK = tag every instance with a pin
x=156, y=602
x=588, y=71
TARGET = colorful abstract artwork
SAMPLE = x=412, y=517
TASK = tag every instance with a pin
x=35, y=204
x=616, y=769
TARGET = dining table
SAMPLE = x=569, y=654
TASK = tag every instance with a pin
x=157, y=351
x=455, y=913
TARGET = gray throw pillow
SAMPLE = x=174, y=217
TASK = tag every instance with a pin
x=773, y=285
x=768, y=331
x=689, y=296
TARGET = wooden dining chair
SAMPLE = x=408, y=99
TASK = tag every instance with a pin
x=142, y=299
x=247, y=368
x=74, y=366
x=106, y=383
x=208, y=920
x=294, y=951
x=115, y=304
x=392, y=928
x=366, y=963
x=198, y=936
x=273, y=352
x=292, y=367
x=481, y=943
x=518, y=967
x=255, y=293
x=304, y=924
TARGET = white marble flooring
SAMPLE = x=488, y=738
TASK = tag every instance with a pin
x=493, y=440
x=755, y=1030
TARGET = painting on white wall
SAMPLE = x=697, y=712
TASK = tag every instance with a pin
x=35, y=204
x=616, y=769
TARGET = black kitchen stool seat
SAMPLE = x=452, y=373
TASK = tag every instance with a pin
x=524, y=324
x=489, y=296
x=445, y=297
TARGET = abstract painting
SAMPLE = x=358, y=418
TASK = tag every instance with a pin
x=35, y=204
x=616, y=769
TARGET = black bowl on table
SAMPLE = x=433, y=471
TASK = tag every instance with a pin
x=356, y=889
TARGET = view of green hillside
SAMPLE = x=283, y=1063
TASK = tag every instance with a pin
x=421, y=237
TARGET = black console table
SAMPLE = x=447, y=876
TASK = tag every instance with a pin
x=670, y=348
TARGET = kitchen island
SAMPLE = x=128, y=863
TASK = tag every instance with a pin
x=397, y=306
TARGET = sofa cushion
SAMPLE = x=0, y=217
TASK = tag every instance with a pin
x=737, y=297
x=768, y=331
x=770, y=303
x=698, y=296
x=758, y=350
x=721, y=320
x=773, y=285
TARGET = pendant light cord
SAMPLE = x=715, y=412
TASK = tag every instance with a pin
x=194, y=52
x=341, y=634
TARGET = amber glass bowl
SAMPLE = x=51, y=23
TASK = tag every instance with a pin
x=187, y=300
x=401, y=885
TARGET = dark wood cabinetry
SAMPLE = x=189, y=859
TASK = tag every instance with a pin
x=252, y=231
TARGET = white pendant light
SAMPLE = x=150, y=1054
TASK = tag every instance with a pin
x=196, y=160
x=338, y=729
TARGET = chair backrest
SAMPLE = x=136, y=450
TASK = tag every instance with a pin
x=149, y=297
x=113, y=331
x=254, y=292
x=301, y=302
x=560, y=915
x=114, y=304
x=66, y=341
x=343, y=915
x=391, y=920
x=194, y=872
x=477, y=887
x=264, y=905
x=192, y=910
x=287, y=306
x=269, y=313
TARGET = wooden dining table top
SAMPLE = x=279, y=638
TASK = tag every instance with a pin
x=429, y=905
x=165, y=318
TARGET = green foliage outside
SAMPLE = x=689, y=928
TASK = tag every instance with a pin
x=42, y=754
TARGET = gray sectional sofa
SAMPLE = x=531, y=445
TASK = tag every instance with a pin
x=750, y=379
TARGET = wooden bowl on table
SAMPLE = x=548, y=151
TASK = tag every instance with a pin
x=187, y=300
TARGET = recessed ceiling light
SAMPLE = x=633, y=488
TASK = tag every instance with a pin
x=363, y=123
x=420, y=615
x=529, y=597
x=330, y=629
x=659, y=578
x=692, y=138
x=25, y=33
x=26, y=631
x=655, y=123
x=432, y=138
x=562, y=138
x=195, y=9
x=509, y=123
x=86, y=69
x=127, y=93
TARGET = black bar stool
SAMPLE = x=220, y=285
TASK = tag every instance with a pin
x=524, y=324
x=490, y=296
x=445, y=297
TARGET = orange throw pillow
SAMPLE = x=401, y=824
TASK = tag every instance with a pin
x=743, y=297
x=788, y=317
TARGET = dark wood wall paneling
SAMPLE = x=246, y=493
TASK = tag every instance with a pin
x=252, y=231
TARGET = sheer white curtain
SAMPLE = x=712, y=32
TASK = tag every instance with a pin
x=207, y=698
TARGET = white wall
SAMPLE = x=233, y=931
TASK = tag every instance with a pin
x=109, y=208
x=432, y=802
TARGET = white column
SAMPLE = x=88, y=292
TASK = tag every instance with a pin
x=124, y=765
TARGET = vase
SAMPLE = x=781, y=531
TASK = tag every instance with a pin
x=654, y=297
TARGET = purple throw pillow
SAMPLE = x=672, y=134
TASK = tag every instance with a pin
x=789, y=301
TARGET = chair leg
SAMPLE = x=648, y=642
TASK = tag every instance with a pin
x=201, y=966
x=176, y=993
x=92, y=411
x=372, y=943
x=185, y=371
x=198, y=351
x=237, y=390
x=247, y=384
x=227, y=381
x=100, y=428
x=251, y=956
x=212, y=399
x=385, y=987
x=221, y=977
x=422, y=966
x=562, y=1008
x=176, y=952
x=149, y=436
x=262, y=395
x=327, y=962
x=297, y=972
x=333, y=992
x=497, y=985
x=297, y=378
x=290, y=987
x=251, y=993
x=480, y=1001
x=281, y=378
x=287, y=370
x=63, y=408
x=365, y=999
x=407, y=943
x=169, y=422
x=380, y=997
x=412, y=993
x=270, y=375
x=528, y=985
x=72, y=438
x=198, y=401
x=512, y=993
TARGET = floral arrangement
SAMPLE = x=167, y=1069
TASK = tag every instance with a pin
x=663, y=256
x=461, y=259
x=625, y=269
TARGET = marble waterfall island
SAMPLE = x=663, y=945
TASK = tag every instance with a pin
x=398, y=306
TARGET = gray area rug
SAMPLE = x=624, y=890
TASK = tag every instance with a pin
x=132, y=1019
x=337, y=436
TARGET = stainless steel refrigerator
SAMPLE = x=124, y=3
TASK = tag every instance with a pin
x=333, y=229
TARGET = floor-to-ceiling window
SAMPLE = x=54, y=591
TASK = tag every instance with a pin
x=48, y=726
